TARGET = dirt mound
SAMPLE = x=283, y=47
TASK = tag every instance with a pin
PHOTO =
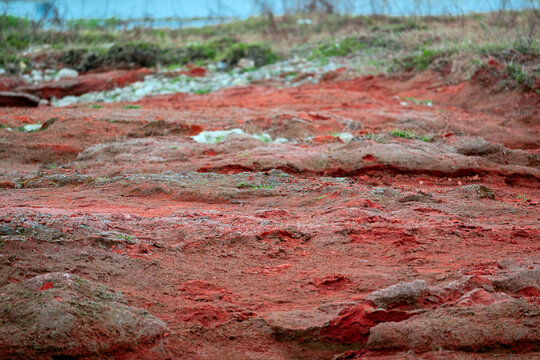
x=61, y=315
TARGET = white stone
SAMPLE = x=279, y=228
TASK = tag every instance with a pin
x=67, y=73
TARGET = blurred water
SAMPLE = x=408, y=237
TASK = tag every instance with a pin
x=136, y=9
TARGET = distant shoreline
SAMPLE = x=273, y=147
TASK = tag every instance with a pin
x=205, y=12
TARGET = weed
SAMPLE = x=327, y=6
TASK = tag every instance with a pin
x=427, y=138
x=406, y=134
x=243, y=185
x=343, y=48
x=419, y=102
x=125, y=237
x=261, y=54
x=517, y=73
x=51, y=166
x=202, y=91
x=522, y=198
x=173, y=147
x=420, y=61
x=95, y=106
x=132, y=107
x=378, y=138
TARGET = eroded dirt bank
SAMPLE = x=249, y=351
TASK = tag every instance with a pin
x=392, y=245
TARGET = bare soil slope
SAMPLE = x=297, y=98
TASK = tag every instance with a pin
x=426, y=242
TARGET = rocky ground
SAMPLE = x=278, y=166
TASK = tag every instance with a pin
x=350, y=218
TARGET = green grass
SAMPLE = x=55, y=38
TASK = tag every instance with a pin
x=332, y=48
x=522, y=198
x=406, y=134
x=418, y=101
x=243, y=185
x=202, y=91
x=419, y=61
x=132, y=107
x=95, y=106
x=517, y=73
x=426, y=138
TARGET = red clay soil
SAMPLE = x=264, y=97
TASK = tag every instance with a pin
x=380, y=248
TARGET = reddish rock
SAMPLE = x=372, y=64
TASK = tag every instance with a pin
x=333, y=282
x=481, y=297
x=17, y=99
x=85, y=83
x=8, y=83
x=207, y=316
x=353, y=324
x=194, y=72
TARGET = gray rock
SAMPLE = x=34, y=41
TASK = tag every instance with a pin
x=67, y=73
x=517, y=280
x=513, y=324
x=402, y=293
x=61, y=315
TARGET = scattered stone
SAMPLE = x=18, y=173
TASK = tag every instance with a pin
x=67, y=73
x=513, y=324
x=76, y=86
x=194, y=81
x=475, y=191
x=246, y=63
x=59, y=315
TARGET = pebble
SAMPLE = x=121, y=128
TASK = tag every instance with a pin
x=161, y=84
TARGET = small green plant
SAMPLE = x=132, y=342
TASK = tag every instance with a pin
x=342, y=48
x=125, y=237
x=378, y=138
x=427, y=138
x=420, y=61
x=418, y=101
x=263, y=186
x=406, y=134
x=202, y=91
x=517, y=73
x=522, y=198
x=132, y=107
x=95, y=106
x=244, y=185
x=51, y=166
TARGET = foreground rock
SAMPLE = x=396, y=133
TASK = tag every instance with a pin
x=514, y=324
x=17, y=99
x=65, y=316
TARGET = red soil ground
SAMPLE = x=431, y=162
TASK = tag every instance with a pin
x=285, y=270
